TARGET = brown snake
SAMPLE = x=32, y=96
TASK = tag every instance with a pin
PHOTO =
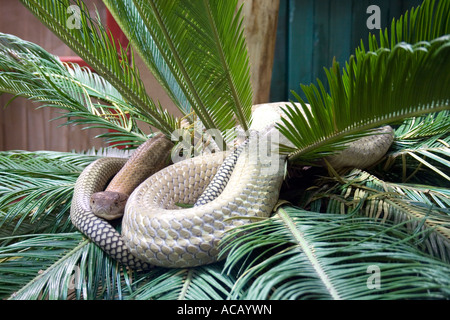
x=149, y=158
x=155, y=231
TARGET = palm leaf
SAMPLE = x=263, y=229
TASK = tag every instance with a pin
x=426, y=22
x=422, y=143
x=30, y=282
x=127, y=16
x=92, y=43
x=420, y=208
x=209, y=32
x=70, y=266
x=36, y=187
x=329, y=256
x=394, y=76
x=393, y=81
x=423, y=127
x=202, y=283
x=88, y=98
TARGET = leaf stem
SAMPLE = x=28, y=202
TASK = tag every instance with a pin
x=187, y=283
x=221, y=54
x=49, y=272
x=369, y=124
x=308, y=250
x=199, y=107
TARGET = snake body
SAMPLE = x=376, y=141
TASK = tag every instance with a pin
x=156, y=231
x=159, y=233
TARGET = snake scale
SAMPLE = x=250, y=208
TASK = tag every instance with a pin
x=226, y=190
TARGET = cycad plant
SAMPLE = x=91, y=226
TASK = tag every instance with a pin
x=382, y=233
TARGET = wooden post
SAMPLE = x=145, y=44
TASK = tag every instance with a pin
x=261, y=19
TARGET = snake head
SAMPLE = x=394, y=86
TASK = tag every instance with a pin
x=108, y=205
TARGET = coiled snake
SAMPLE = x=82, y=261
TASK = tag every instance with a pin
x=155, y=231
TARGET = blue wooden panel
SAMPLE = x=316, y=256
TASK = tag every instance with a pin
x=279, y=73
x=340, y=41
x=311, y=33
x=300, y=42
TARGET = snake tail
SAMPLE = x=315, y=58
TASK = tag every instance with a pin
x=220, y=179
x=365, y=151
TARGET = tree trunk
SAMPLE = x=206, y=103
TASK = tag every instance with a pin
x=260, y=19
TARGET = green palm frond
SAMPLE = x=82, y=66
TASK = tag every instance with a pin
x=393, y=81
x=202, y=283
x=377, y=88
x=127, y=16
x=433, y=153
x=421, y=208
x=203, y=45
x=422, y=149
x=308, y=255
x=27, y=70
x=25, y=282
x=113, y=113
x=70, y=267
x=426, y=22
x=36, y=187
x=422, y=127
x=423, y=202
x=92, y=43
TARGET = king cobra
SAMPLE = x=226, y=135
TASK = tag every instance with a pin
x=226, y=189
